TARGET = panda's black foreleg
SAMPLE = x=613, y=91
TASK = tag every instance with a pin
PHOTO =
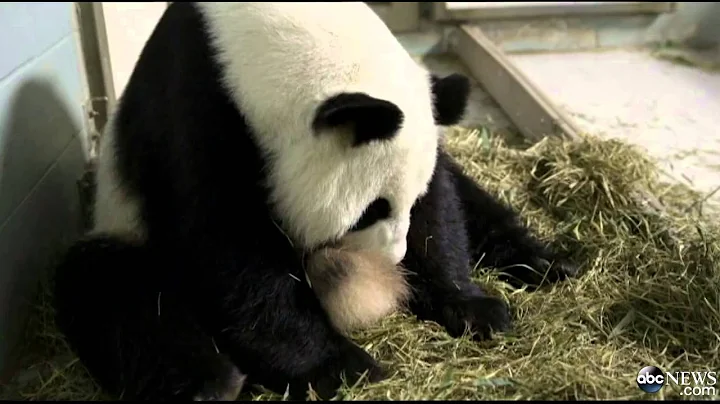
x=273, y=326
x=439, y=261
x=499, y=239
x=138, y=338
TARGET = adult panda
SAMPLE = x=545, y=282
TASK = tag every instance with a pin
x=249, y=136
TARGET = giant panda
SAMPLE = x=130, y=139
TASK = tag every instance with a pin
x=254, y=141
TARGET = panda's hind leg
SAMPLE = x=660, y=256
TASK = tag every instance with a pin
x=138, y=338
x=499, y=239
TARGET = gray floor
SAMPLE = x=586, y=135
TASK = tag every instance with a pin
x=670, y=109
x=667, y=108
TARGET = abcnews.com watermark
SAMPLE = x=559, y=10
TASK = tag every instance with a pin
x=651, y=379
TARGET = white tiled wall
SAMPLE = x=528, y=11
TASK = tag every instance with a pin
x=42, y=90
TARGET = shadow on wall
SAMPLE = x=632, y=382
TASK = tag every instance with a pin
x=41, y=158
x=694, y=24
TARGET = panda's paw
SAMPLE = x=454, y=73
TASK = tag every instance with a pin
x=540, y=268
x=557, y=268
x=224, y=384
x=481, y=315
x=351, y=364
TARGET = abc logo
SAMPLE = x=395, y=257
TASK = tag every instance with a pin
x=650, y=379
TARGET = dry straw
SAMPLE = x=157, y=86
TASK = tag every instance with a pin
x=648, y=295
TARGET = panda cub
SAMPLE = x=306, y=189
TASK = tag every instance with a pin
x=356, y=288
x=271, y=178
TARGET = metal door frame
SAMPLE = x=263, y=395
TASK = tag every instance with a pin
x=96, y=60
x=442, y=13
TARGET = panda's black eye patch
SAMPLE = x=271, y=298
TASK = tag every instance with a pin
x=376, y=211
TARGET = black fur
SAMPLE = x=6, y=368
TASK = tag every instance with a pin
x=180, y=143
x=453, y=92
x=368, y=118
x=499, y=239
x=214, y=292
x=139, y=338
x=452, y=227
x=378, y=210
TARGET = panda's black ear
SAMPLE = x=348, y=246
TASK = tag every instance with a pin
x=450, y=95
x=369, y=118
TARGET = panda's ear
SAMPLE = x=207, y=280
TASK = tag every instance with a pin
x=369, y=118
x=450, y=95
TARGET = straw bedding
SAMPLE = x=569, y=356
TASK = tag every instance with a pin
x=649, y=294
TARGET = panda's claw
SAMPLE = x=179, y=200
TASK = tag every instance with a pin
x=225, y=385
x=481, y=315
x=352, y=363
x=538, y=270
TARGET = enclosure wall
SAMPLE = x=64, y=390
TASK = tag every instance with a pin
x=42, y=91
x=696, y=24
x=128, y=26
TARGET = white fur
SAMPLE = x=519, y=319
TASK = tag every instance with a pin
x=282, y=60
x=356, y=288
x=116, y=211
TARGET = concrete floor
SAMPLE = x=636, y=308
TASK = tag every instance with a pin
x=669, y=109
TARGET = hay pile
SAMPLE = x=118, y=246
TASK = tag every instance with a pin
x=649, y=295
